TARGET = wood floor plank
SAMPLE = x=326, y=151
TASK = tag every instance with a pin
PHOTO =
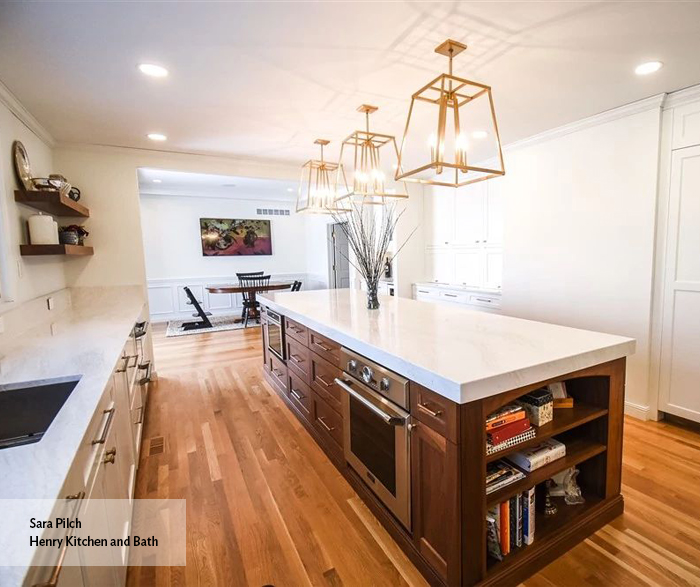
x=266, y=507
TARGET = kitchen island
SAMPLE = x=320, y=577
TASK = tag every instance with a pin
x=398, y=399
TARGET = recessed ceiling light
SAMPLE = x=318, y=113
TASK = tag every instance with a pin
x=290, y=189
x=480, y=134
x=153, y=70
x=228, y=185
x=157, y=181
x=648, y=67
x=156, y=136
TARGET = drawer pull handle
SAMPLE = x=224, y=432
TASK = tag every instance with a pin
x=295, y=329
x=140, y=420
x=296, y=359
x=110, y=455
x=323, y=347
x=427, y=410
x=277, y=373
x=450, y=295
x=297, y=395
x=53, y=579
x=323, y=381
x=148, y=366
x=483, y=300
x=326, y=426
x=105, y=430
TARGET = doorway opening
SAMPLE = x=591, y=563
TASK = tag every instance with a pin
x=338, y=254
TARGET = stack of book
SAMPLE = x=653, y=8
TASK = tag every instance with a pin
x=507, y=427
x=538, y=456
x=511, y=524
x=500, y=474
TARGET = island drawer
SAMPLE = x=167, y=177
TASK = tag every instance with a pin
x=435, y=411
x=323, y=376
x=325, y=347
x=299, y=359
x=296, y=331
x=301, y=396
x=328, y=423
x=278, y=370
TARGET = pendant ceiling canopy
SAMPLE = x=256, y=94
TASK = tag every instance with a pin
x=317, y=188
x=451, y=136
x=373, y=158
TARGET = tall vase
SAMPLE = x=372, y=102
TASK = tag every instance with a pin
x=372, y=299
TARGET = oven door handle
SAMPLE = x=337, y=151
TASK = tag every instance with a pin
x=388, y=418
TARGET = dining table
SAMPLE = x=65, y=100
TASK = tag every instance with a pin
x=231, y=288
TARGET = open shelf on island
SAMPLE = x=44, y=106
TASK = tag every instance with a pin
x=51, y=202
x=73, y=250
x=577, y=451
x=564, y=419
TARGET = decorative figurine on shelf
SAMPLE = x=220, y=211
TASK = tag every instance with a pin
x=565, y=486
x=72, y=235
x=550, y=508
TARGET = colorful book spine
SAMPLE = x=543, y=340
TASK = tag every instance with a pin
x=508, y=431
x=505, y=419
x=519, y=538
x=529, y=516
x=513, y=507
x=505, y=528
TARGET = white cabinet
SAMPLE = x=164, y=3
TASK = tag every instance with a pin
x=680, y=339
x=493, y=268
x=686, y=125
x=470, y=299
x=440, y=265
x=494, y=212
x=469, y=267
x=469, y=214
x=438, y=207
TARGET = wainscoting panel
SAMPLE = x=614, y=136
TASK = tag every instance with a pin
x=168, y=301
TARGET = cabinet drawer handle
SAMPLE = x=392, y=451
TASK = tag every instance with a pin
x=110, y=455
x=295, y=329
x=53, y=579
x=277, y=373
x=483, y=300
x=323, y=347
x=296, y=359
x=148, y=366
x=326, y=426
x=427, y=410
x=450, y=295
x=297, y=395
x=140, y=420
x=105, y=430
x=323, y=381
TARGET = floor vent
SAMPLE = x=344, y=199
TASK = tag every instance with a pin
x=273, y=211
x=157, y=446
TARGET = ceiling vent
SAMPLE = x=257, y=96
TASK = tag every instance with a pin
x=273, y=212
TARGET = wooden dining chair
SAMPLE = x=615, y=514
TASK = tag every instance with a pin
x=240, y=276
x=250, y=303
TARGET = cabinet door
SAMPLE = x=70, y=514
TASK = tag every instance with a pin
x=686, y=125
x=440, y=266
x=493, y=269
x=126, y=445
x=438, y=208
x=469, y=214
x=469, y=267
x=494, y=212
x=98, y=563
x=435, y=501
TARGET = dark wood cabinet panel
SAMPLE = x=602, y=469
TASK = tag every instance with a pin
x=266, y=351
x=278, y=370
x=441, y=414
x=329, y=423
x=301, y=396
x=297, y=331
x=325, y=347
x=299, y=359
x=323, y=376
x=435, y=500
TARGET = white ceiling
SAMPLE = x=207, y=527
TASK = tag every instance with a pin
x=264, y=79
x=179, y=183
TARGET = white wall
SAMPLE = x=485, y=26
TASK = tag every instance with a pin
x=172, y=242
x=22, y=278
x=579, y=233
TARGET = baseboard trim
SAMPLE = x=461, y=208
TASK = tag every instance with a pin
x=637, y=411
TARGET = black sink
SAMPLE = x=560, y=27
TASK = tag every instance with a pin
x=27, y=409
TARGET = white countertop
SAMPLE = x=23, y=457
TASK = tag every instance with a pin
x=88, y=341
x=461, y=354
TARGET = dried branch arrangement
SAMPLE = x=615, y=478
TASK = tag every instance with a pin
x=370, y=230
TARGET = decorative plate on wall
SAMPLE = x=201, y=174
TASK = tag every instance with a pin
x=22, y=167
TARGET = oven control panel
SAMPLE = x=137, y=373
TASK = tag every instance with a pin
x=382, y=380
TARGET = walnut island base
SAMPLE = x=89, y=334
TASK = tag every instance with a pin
x=446, y=539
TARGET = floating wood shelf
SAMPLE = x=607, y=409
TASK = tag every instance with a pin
x=52, y=203
x=564, y=419
x=74, y=250
x=577, y=451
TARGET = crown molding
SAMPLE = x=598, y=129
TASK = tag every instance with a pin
x=652, y=103
x=23, y=115
x=681, y=97
x=286, y=201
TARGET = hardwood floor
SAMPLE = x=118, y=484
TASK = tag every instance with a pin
x=266, y=507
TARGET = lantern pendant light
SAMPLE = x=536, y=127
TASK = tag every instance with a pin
x=317, y=189
x=373, y=158
x=464, y=146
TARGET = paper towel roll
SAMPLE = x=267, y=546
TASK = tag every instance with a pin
x=41, y=229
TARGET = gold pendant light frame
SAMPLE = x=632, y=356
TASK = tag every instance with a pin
x=368, y=180
x=321, y=179
x=450, y=93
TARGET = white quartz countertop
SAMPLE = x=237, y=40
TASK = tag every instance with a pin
x=462, y=354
